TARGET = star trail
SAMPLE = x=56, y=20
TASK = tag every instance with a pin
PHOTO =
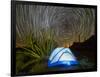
x=68, y=24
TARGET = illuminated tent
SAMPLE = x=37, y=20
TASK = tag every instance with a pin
x=62, y=56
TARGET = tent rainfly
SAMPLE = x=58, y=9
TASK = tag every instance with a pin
x=62, y=56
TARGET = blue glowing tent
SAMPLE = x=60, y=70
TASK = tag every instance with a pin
x=62, y=56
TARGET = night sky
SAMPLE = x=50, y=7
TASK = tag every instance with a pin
x=68, y=24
